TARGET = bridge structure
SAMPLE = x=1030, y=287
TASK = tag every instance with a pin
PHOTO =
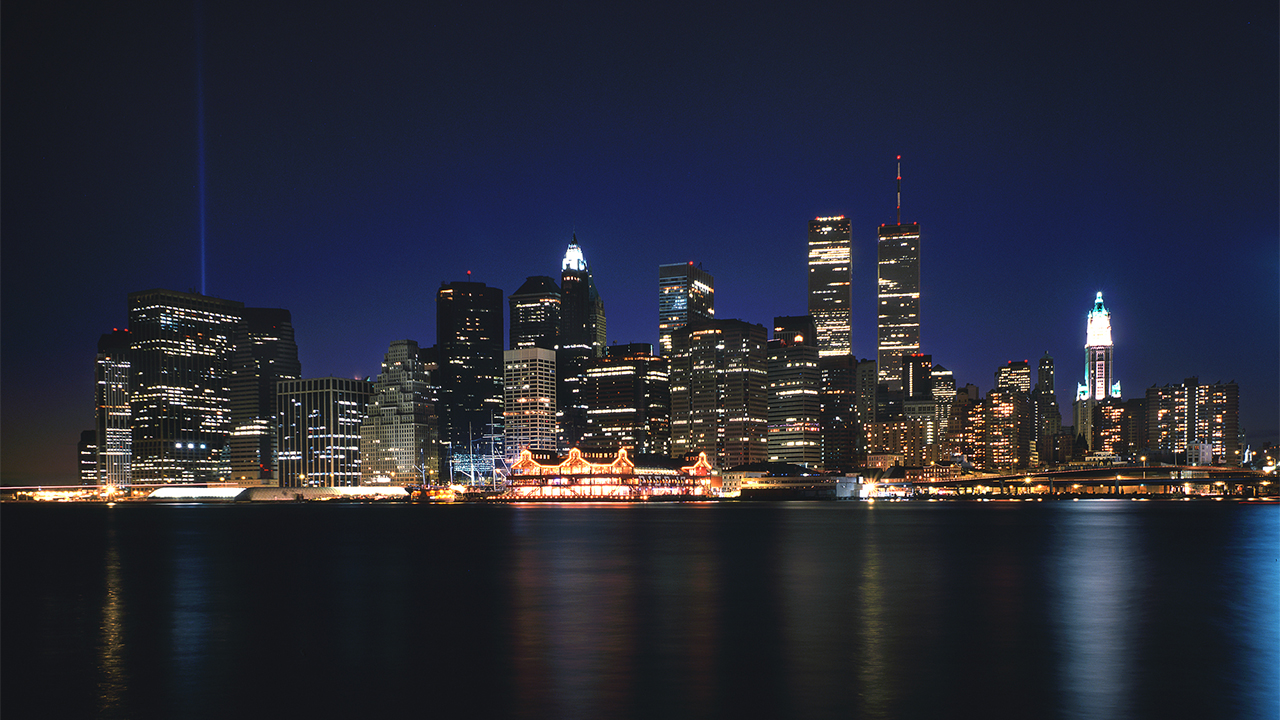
x=1110, y=480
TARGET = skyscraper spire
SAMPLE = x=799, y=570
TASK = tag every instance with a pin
x=899, y=189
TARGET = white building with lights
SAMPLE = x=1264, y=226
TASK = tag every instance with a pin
x=1100, y=382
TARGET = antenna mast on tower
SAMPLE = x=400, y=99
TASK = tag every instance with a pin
x=899, y=189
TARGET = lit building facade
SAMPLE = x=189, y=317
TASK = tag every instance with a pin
x=898, y=304
x=265, y=353
x=1100, y=382
x=795, y=404
x=628, y=395
x=1192, y=414
x=535, y=314
x=1014, y=375
x=529, y=392
x=319, y=431
x=114, y=434
x=469, y=343
x=1007, y=435
x=180, y=402
x=400, y=435
x=719, y=403
x=831, y=284
x=685, y=291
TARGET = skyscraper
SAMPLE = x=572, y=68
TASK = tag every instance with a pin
x=1181, y=417
x=1100, y=382
x=319, y=431
x=264, y=354
x=535, y=314
x=685, y=292
x=719, y=403
x=114, y=434
x=180, y=363
x=400, y=435
x=628, y=398
x=1048, y=418
x=831, y=283
x=794, y=403
x=582, y=338
x=1014, y=375
x=898, y=324
x=469, y=339
x=582, y=321
x=529, y=392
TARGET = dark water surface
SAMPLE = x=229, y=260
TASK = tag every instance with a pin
x=1097, y=609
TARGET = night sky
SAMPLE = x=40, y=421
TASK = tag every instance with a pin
x=357, y=155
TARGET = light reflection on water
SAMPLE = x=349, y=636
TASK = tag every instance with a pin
x=1099, y=568
x=745, y=610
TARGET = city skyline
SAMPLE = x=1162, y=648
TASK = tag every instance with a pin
x=1076, y=159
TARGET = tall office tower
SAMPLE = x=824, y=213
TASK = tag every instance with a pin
x=628, y=395
x=87, y=457
x=469, y=342
x=114, y=428
x=1014, y=375
x=319, y=431
x=1109, y=421
x=718, y=400
x=264, y=354
x=944, y=396
x=831, y=283
x=400, y=435
x=582, y=338
x=1099, y=381
x=582, y=321
x=838, y=418
x=795, y=382
x=1048, y=422
x=918, y=405
x=685, y=292
x=1182, y=417
x=1007, y=429
x=529, y=392
x=535, y=314
x=898, y=325
x=180, y=363
x=966, y=429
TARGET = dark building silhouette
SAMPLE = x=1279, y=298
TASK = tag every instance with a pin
x=469, y=342
x=582, y=338
x=628, y=396
x=535, y=314
x=265, y=353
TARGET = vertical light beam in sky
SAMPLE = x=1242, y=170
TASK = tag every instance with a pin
x=200, y=132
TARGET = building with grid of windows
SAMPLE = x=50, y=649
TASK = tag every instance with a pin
x=180, y=398
x=399, y=438
x=719, y=401
x=114, y=433
x=795, y=383
x=685, y=292
x=529, y=400
x=628, y=397
x=319, y=431
x=898, y=304
x=831, y=284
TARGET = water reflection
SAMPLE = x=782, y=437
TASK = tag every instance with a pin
x=1099, y=567
x=112, y=675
